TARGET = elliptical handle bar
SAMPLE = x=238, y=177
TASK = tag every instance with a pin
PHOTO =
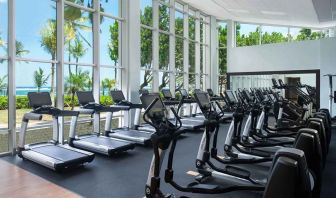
x=150, y=106
x=178, y=119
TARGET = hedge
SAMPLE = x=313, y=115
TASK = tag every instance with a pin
x=22, y=102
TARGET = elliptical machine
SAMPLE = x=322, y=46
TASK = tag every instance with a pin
x=289, y=166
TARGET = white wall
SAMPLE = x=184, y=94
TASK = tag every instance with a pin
x=328, y=66
x=275, y=57
x=305, y=55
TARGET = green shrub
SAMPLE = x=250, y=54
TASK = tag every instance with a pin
x=22, y=101
x=3, y=102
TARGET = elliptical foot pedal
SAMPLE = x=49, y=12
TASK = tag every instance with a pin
x=260, y=153
x=238, y=172
x=196, y=185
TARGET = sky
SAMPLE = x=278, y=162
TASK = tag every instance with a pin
x=28, y=28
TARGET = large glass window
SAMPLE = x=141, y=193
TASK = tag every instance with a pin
x=247, y=34
x=78, y=36
x=179, y=81
x=146, y=79
x=3, y=106
x=306, y=34
x=146, y=12
x=146, y=48
x=36, y=34
x=163, y=51
x=163, y=80
x=3, y=27
x=222, y=56
x=273, y=34
x=179, y=54
x=191, y=57
x=192, y=28
x=110, y=78
x=179, y=23
x=163, y=17
x=109, y=42
x=110, y=6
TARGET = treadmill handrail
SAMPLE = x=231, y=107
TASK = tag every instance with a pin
x=31, y=116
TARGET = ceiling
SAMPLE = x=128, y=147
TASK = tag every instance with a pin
x=308, y=13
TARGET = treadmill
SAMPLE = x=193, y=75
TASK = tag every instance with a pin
x=50, y=154
x=189, y=124
x=95, y=142
x=141, y=137
x=189, y=100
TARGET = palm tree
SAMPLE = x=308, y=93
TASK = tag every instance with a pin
x=77, y=50
x=48, y=42
x=40, y=79
x=108, y=84
x=3, y=83
x=76, y=82
x=20, y=51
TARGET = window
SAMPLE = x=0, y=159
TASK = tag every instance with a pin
x=146, y=48
x=110, y=6
x=222, y=56
x=179, y=54
x=306, y=34
x=179, y=81
x=191, y=57
x=164, y=17
x=179, y=23
x=247, y=34
x=272, y=34
x=3, y=106
x=109, y=42
x=36, y=34
x=163, y=51
x=3, y=27
x=146, y=79
x=191, y=28
x=78, y=36
x=192, y=82
x=146, y=12
x=163, y=80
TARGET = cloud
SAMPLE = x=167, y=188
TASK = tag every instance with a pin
x=3, y=1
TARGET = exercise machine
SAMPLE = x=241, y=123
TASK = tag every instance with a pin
x=52, y=154
x=138, y=136
x=94, y=141
x=289, y=164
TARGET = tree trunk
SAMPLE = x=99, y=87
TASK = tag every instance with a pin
x=52, y=87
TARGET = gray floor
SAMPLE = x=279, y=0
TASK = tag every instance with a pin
x=125, y=176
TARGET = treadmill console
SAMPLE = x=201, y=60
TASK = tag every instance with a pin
x=167, y=94
x=85, y=97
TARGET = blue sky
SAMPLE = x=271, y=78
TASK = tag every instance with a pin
x=28, y=27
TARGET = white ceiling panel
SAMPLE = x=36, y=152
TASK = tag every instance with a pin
x=278, y=12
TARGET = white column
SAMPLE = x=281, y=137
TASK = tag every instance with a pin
x=130, y=56
x=207, y=59
x=197, y=50
x=186, y=47
x=155, y=45
x=172, y=47
x=11, y=77
x=231, y=43
x=213, y=53
x=60, y=65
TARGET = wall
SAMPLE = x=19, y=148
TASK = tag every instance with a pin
x=305, y=55
x=275, y=57
x=328, y=66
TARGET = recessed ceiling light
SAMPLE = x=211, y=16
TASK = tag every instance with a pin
x=273, y=13
x=238, y=10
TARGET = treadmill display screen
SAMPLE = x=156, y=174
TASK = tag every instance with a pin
x=203, y=99
x=85, y=97
x=117, y=95
x=230, y=95
x=39, y=99
x=166, y=93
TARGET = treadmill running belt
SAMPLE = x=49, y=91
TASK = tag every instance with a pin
x=111, y=143
x=132, y=133
x=59, y=153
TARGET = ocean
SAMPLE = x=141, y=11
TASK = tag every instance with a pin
x=23, y=91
